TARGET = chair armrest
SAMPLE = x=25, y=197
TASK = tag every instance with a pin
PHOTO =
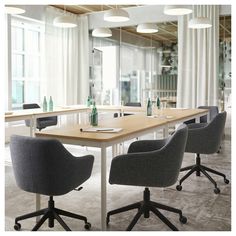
x=71, y=172
x=146, y=145
x=80, y=169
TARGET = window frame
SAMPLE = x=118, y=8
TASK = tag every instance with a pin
x=26, y=25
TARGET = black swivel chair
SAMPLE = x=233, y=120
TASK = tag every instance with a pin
x=129, y=104
x=44, y=166
x=150, y=163
x=41, y=122
x=204, y=138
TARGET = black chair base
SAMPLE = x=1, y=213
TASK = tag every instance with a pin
x=198, y=168
x=144, y=207
x=51, y=213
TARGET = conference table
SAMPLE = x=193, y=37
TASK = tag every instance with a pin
x=33, y=114
x=131, y=127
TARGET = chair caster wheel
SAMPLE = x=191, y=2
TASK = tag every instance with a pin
x=179, y=187
x=226, y=181
x=216, y=190
x=17, y=226
x=87, y=225
x=183, y=219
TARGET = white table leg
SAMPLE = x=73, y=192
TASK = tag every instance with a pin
x=78, y=118
x=197, y=120
x=103, y=189
x=165, y=131
x=38, y=202
x=208, y=117
x=155, y=135
x=113, y=150
x=32, y=126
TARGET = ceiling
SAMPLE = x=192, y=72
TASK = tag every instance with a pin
x=168, y=31
x=82, y=9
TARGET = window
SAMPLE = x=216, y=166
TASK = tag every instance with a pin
x=26, y=61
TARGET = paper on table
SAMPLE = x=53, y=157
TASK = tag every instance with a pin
x=161, y=116
x=101, y=129
x=7, y=113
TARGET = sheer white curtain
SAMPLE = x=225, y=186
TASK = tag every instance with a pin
x=198, y=60
x=66, y=66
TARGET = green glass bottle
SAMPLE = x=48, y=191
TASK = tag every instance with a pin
x=149, y=107
x=50, y=105
x=45, y=105
x=88, y=101
x=158, y=103
x=94, y=116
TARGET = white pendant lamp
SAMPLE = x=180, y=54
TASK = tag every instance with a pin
x=147, y=28
x=102, y=32
x=64, y=22
x=116, y=15
x=14, y=10
x=177, y=10
x=199, y=23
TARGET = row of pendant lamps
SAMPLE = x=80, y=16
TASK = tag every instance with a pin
x=120, y=15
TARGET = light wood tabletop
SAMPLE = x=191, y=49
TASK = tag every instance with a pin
x=129, y=124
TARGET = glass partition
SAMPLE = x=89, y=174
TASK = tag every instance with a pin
x=132, y=69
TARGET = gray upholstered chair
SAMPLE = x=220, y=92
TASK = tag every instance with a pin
x=204, y=138
x=44, y=166
x=41, y=123
x=150, y=163
x=213, y=111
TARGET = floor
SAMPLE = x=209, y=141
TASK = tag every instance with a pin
x=204, y=210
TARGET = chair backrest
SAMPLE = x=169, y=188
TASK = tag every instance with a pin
x=133, y=104
x=206, y=140
x=172, y=157
x=129, y=104
x=213, y=111
x=44, y=166
x=30, y=106
x=41, y=122
x=159, y=168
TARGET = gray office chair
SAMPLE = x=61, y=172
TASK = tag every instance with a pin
x=150, y=163
x=45, y=167
x=213, y=111
x=130, y=104
x=41, y=123
x=204, y=138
